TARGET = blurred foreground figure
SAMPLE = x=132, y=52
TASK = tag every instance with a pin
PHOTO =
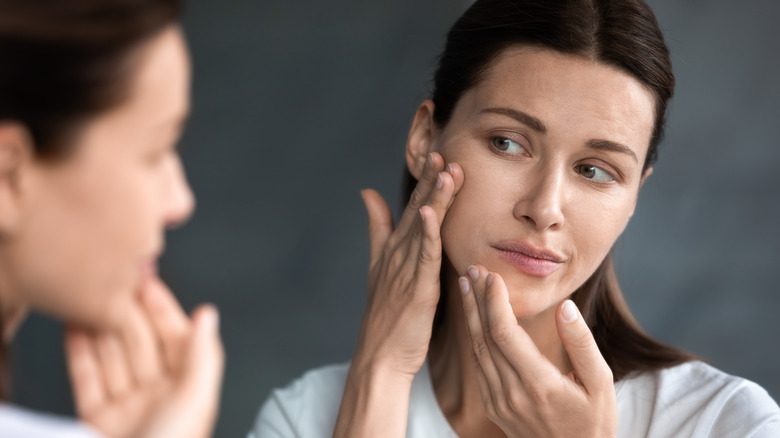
x=93, y=97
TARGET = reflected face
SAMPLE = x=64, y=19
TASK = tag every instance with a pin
x=95, y=221
x=552, y=148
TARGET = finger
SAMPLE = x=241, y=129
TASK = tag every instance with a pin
x=589, y=365
x=498, y=332
x=202, y=378
x=422, y=192
x=84, y=371
x=113, y=364
x=506, y=370
x=510, y=338
x=474, y=324
x=168, y=319
x=429, y=266
x=447, y=185
x=423, y=244
x=380, y=221
x=141, y=345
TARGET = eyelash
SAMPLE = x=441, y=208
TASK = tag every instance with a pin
x=499, y=138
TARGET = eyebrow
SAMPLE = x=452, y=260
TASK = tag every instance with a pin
x=538, y=125
x=520, y=116
x=607, y=145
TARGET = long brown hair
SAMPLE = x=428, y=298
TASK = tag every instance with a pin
x=62, y=63
x=620, y=33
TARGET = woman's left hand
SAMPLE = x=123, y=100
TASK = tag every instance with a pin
x=523, y=392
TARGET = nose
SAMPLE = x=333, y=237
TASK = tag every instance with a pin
x=179, y=202
x=540, y=204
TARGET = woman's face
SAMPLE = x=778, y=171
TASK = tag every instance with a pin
x=93, y=223
x=552, y=148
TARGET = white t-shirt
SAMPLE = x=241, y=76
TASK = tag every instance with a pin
x=688, y=400
x=20, y=423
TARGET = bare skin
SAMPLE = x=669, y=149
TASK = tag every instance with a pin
x=552, y=163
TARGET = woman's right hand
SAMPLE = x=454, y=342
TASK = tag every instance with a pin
x=404, y=291
x=404, y=271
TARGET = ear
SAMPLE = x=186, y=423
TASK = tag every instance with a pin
x=15, y=149
x=648, y=172
x=422, y=138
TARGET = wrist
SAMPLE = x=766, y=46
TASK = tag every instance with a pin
x=382, y=369
x=375, y=401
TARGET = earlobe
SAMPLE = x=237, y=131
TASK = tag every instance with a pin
x=14, y=147
x=421, y=140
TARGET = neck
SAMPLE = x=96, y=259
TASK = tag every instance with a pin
x=12, y=311
x=451, y=361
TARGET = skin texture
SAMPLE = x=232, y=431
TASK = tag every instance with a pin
x=80, y=241
x=537, y=373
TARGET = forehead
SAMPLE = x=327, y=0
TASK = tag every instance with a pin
x=160, y=86
x=567, y=92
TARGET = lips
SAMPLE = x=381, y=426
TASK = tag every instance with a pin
x=529, y=259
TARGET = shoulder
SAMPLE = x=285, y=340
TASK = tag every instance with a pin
x=695, y=399
x=21, y=423
x=308, y=406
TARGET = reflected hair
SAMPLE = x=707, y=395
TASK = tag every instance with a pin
x=62, y=62
x=623, y=34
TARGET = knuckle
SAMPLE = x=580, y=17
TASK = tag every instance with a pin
x=395, y=261
x=500, y=332
x=417, y=199
x=428, y=255
x=480, y=348
x=503, y=408
x=516, y=402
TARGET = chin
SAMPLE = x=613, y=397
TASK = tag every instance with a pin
x=534, y=297
x=108, y=311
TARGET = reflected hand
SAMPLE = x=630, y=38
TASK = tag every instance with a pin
x=523, y=392
x=159, y=375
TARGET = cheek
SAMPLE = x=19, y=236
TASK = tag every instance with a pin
x=480, y=208
x=594, y=231
x=83, y=252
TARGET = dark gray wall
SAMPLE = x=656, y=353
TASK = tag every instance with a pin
x=300, y=104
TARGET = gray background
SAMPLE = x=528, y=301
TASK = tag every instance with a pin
x=300, y=104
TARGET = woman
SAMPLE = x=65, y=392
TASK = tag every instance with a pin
x=93, y=96
x=494, y=306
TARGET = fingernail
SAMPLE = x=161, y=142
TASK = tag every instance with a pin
x=449, y=168
x=473, y=273
x=439, y=181
x=463, y=282
x=489, y=279
x=429, y=161
x=569, y=311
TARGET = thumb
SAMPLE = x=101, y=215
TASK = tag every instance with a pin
x=589, y=365
x=380, y=221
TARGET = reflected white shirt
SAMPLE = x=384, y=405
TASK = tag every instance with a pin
x=16, y=422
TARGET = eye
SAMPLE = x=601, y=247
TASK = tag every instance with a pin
x=506, y=145
x=594, y=173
